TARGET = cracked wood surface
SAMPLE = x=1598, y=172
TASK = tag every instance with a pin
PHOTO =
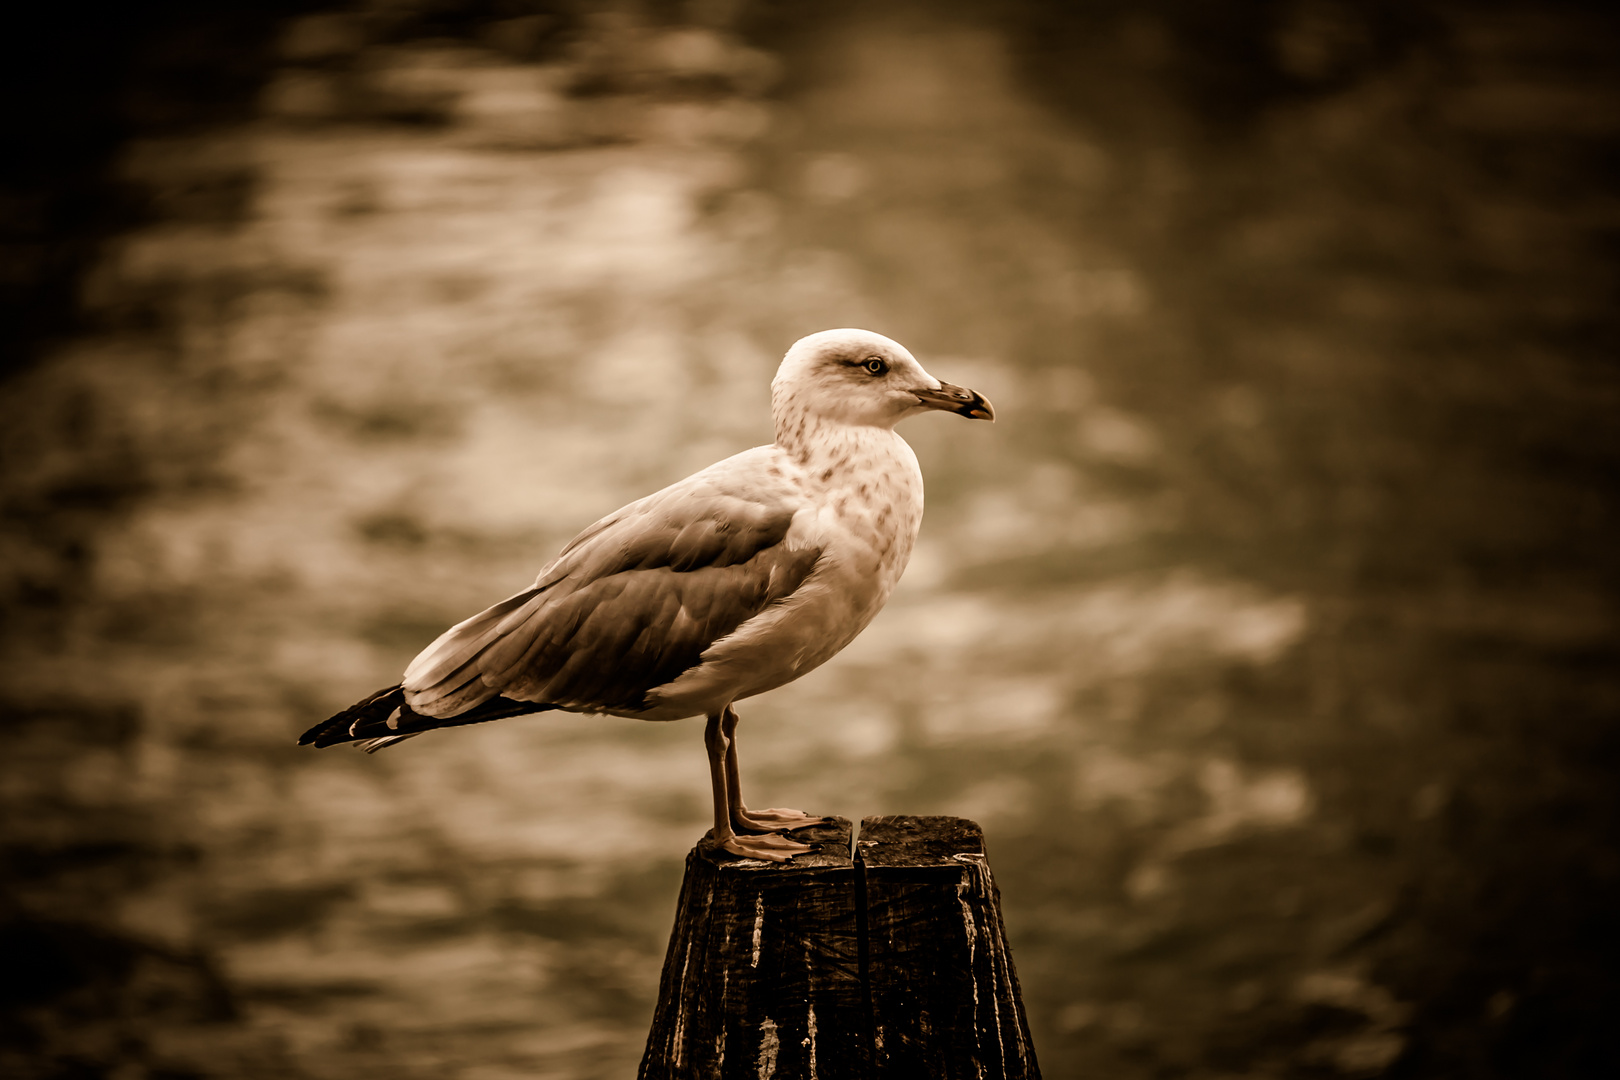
x=890, y=963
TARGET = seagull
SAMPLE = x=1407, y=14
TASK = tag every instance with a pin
x=734, y=581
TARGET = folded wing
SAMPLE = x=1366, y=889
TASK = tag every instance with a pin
x=629, y=605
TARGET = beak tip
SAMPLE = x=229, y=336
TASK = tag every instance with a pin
x=957, y=399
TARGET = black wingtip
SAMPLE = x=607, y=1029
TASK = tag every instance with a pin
x=368, y=720
x=342, y=727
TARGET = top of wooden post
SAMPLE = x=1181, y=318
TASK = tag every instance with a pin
x=916, y=843
x=830, y=842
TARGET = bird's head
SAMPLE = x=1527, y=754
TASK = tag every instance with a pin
x=859, y=378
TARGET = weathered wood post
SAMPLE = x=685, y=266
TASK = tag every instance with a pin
x=762, y=977
x=945, y=997
x=890, y=964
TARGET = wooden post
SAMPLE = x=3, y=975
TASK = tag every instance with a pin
x=762, y=977
x=891, y=964
x=945, y=997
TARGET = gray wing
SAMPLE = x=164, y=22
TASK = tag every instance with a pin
x=631, y=603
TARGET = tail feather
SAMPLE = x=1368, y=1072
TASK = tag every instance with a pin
x=385, y=718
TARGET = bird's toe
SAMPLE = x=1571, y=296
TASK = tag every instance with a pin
x=776, y=819
x=769, y=848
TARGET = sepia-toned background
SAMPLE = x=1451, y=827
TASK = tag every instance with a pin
x=1271, y=632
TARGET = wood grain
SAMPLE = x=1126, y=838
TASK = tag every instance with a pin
x=762, y=977
x=893, y=964
x=945, y=996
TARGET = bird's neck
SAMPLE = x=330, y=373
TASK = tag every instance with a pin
x=818, y=444
x=868, y=490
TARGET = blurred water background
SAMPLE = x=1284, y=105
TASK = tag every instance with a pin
x=1270, y=633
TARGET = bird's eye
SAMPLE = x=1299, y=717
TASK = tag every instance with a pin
x=874, y=365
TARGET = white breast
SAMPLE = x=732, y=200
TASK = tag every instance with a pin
x=864, y=496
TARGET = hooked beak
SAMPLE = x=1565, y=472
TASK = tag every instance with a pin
x=957, y=399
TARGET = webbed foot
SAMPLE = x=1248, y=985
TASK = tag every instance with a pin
x=777, y=819
x=769, y=847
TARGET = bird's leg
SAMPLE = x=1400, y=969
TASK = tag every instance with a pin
x=717, y=741
x=765, y=821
